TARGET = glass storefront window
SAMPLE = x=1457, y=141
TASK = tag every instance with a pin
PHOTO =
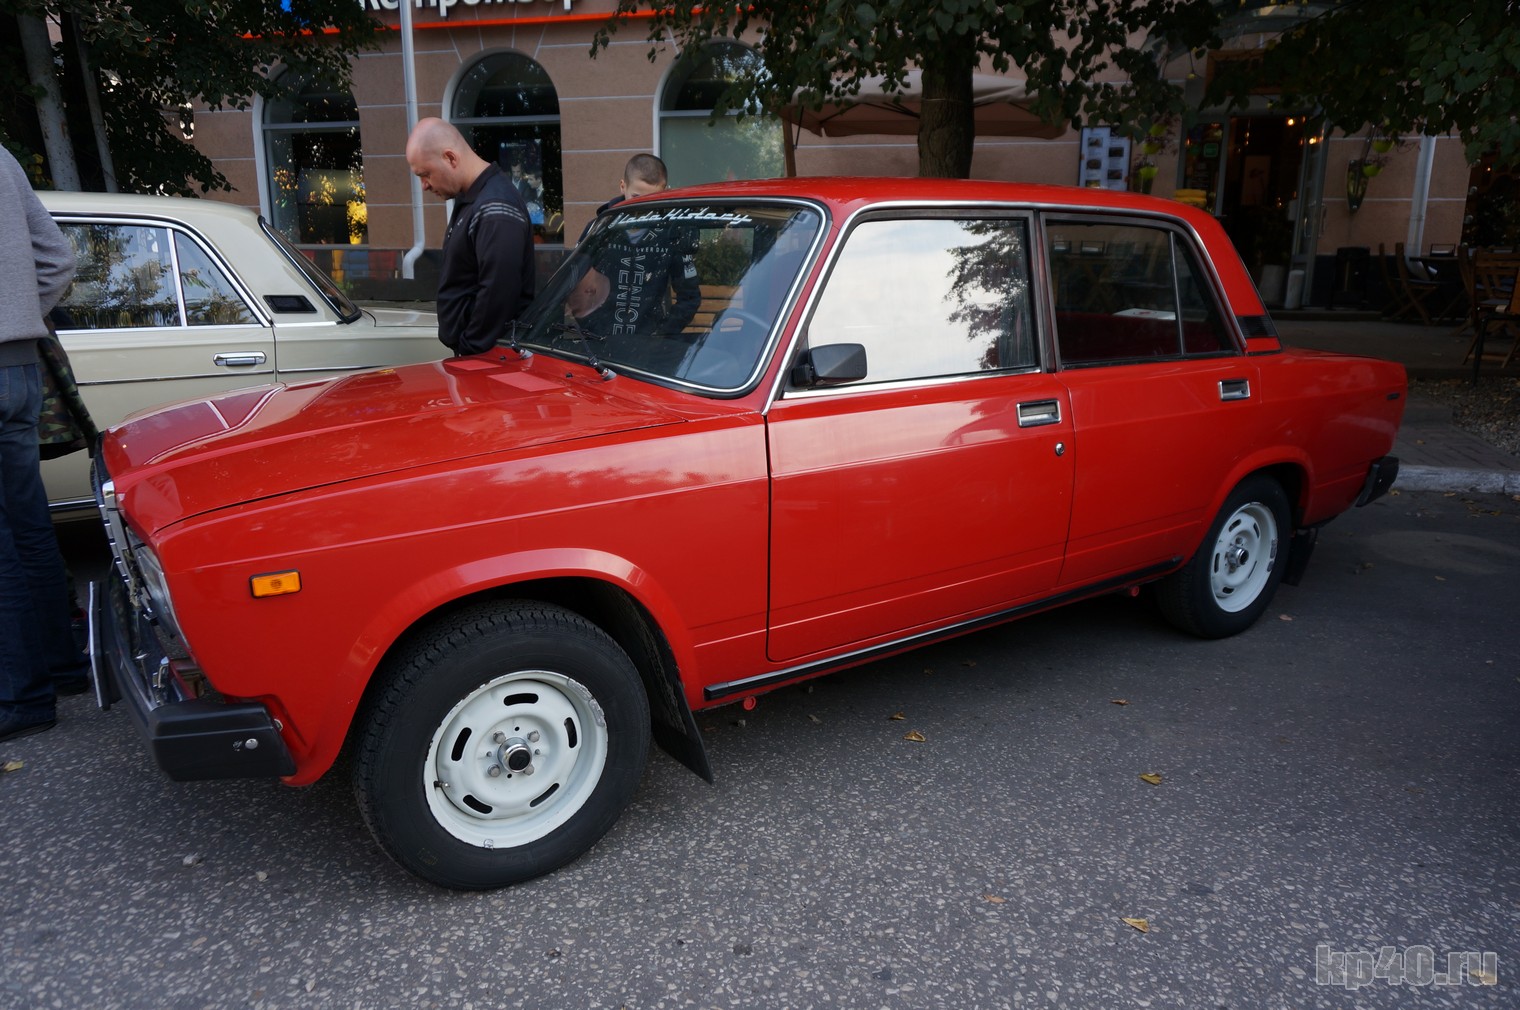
x=694, y=147
x=508, y=110
x=316, y=167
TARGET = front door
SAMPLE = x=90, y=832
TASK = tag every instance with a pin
x=937, y=489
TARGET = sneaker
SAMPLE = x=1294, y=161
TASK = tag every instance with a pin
x=13, y=728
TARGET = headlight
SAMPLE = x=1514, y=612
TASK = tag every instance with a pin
x=160, y=605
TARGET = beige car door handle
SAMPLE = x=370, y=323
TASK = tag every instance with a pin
x=243, y=360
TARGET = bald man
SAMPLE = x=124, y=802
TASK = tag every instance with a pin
x=486, y=278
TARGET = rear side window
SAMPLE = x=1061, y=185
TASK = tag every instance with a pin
x=1130, y=293
x=931, y=297
x=123, y=278
x=130, y=276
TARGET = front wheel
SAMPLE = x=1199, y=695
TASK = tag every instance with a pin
x=504, y=743
x=1230, y=582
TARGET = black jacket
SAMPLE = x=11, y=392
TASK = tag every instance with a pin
x=486, y=278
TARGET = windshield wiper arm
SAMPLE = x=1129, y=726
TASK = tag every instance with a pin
x=513, y=325
x=585, y=337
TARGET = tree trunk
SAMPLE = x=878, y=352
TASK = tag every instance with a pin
x=38, y=49
x=92, y=100
x=947, y=120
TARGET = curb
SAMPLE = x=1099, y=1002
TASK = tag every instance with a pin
x=1447, y=478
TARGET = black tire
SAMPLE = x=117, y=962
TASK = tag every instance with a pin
x=1229, y=583
x=539, y=694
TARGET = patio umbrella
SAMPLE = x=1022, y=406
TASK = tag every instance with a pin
x=1000, y=104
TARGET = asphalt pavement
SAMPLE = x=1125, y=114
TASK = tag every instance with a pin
x=1333, y=797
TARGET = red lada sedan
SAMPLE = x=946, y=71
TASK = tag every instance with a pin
x=747, y=435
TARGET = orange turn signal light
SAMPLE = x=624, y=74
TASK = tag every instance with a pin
x=275, y=584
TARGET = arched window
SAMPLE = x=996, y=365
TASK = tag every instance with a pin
x=316, y=166
x=694, y=148
x=507, y=109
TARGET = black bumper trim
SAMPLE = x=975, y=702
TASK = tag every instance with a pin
x=190, y=738
x=1380, y=477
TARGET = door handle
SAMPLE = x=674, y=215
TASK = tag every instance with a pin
x=1234, y=389
x=244, y=359
x=1038, y=412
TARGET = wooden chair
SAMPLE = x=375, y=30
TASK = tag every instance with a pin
x=1409, y=294
x=1417, y=290
x=1469, y=313
x=1496, y=300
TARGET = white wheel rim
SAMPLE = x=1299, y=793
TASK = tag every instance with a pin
x=1244, y=555
x=515, y=759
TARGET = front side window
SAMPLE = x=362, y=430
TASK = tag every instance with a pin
x=930, y=297
x=508, y=110
x=690, y=294
x=698, y=148
x=129, y=276
x=316, y=167
x=1130, y=293
x=210, y=299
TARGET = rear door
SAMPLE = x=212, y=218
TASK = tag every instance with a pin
x=1163, y=398
x=936, y=489
x=152, y=316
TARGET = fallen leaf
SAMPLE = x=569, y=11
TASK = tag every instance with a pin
x=1440, y=578
x=897, y=717
x=12, y=766
x=1285, y=617
x=1483, y=977
x=1152, y=777
x=968, y=662
x=993, y=899
x=915, y=736
x=1142, y=925
x=1119, y=701
x=814, y=718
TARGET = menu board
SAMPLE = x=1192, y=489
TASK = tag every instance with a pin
x=1104, y=160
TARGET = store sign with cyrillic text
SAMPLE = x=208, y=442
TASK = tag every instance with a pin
x=443, y=6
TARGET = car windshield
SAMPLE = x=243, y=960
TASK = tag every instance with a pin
x=681, y=292
x=331, y=293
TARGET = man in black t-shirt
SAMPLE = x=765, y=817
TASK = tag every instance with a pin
x=642, y=280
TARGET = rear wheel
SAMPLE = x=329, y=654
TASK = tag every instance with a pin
x=503, y=744
x=1230, y=582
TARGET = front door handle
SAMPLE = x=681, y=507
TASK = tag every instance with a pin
x=245, y=359
x=1234, y=389
x=1038, y=412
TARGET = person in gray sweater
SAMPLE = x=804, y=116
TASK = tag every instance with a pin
x=38, y=656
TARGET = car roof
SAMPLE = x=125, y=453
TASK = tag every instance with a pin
x=178, y=207
x=855, y=190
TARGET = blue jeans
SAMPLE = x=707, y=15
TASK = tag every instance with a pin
x=35, y=639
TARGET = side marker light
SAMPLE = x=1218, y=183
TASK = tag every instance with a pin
x=275, y=584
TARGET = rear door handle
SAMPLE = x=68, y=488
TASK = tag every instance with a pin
x=1038, y=412
x=244, y=359
x=1234, y=389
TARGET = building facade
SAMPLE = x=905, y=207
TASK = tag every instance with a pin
x=517, y=77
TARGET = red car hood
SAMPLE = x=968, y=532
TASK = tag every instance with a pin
x=193, y=457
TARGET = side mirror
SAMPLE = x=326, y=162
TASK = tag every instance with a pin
x=829, y=364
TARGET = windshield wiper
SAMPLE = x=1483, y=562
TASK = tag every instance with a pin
x=585, y=337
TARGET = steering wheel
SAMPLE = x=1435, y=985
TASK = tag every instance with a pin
x=714, y=360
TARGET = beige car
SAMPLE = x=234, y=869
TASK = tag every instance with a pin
x=180, y=298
